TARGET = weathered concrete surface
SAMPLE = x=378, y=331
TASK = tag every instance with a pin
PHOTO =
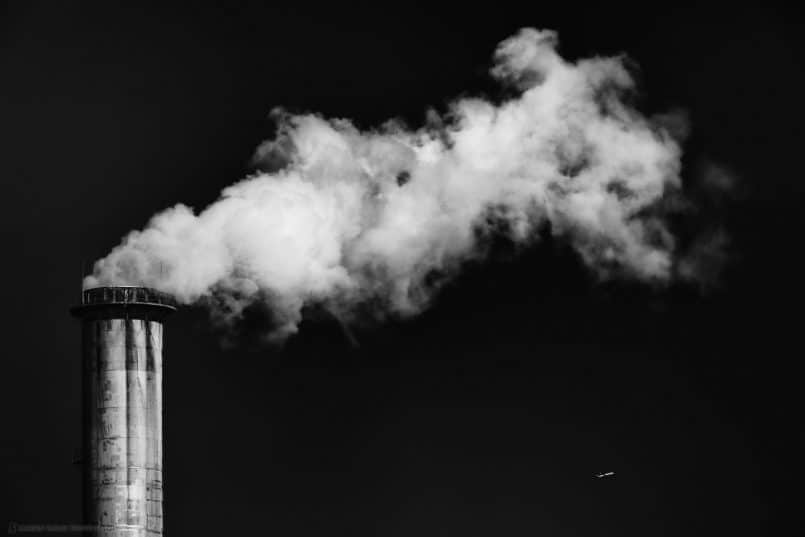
x=122, y=362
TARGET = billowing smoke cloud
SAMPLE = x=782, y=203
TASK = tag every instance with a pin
x=367, y=217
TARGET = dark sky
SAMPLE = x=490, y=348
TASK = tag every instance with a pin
x=490, y=414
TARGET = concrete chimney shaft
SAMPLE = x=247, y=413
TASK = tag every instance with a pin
x=122, y=409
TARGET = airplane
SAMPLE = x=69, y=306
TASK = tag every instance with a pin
x=605, y=474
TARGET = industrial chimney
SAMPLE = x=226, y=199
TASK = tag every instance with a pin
x=122, y=409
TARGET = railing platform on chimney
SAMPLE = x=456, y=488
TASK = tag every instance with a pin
x=135, y=301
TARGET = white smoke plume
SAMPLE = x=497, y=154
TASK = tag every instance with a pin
x=356, y=217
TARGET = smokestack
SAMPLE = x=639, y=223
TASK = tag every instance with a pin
x=122, y=409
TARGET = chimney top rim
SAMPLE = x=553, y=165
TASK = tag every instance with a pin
x=124, y=296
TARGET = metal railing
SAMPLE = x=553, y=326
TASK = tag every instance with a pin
x=125, y=295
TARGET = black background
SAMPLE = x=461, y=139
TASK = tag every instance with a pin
x=491, y=413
